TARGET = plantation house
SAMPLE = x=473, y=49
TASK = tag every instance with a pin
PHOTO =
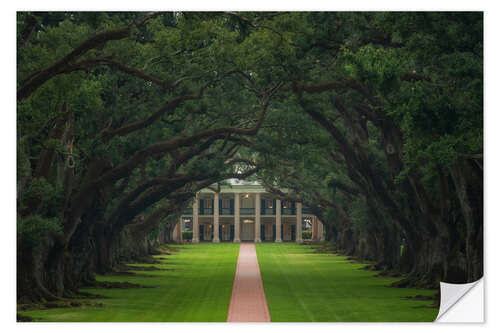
x=245, y=211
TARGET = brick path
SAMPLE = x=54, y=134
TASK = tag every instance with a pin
x=248, y=301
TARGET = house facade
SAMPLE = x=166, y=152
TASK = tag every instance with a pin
x=246, y=212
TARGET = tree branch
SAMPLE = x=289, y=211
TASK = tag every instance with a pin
x=167, y=108
x=34, y=81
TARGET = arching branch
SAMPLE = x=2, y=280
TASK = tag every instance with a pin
x=167, y=108
x=34, y=81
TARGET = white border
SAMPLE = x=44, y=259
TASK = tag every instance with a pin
x=8, y=170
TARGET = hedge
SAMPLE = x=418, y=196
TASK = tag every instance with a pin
x=187, y=235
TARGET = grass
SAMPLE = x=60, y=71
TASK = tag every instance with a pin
x=303, y=286
x=300, y=285
x=196, y=288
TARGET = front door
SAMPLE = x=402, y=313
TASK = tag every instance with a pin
x=247, y=231
x=269, y=233
x=226, y=232
x=287, y=235
x=207, y=232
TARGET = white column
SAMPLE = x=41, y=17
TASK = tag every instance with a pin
x=175, y=232
x=196, y=227
x=179, y=230
x=236, y=217
x=216, y=218
x=298, y=228
x=278, y=221
x=314, y=237
x=257, y=218
x=320, y=231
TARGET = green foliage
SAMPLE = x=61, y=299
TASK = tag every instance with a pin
x=306, y=234
x=23, y=163
x=413, y=80
x=39, y=188
x=360, y=214
x=187, y=235
x=50, y=196
x=379, y=68
x=31, y=229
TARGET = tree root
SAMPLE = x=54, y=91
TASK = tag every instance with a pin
x=326, y=248
x=57, y=304
x=388, y=273
x=435, y=298
x=146, y=260
x=125, y=273
x=163, y=249
x=23, y=318
x=117, y=285
x=84, y=295
x=412, y=281
x=125, y=268
x=423, y=297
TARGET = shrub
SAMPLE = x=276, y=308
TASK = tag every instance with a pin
x=187, y=235
x=32, y=228
x=306, y=234
x=49, y=196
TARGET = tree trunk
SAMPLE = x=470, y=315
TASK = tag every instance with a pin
x=468, y=181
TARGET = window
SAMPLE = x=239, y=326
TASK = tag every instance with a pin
x=226, y=203
x=269, y=204
x=286, y=204
x=207, y=203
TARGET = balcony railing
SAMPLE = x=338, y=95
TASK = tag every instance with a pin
x=206, y=211
x=226, y=211
x=267, y=211
x=247, y=211
x=307, y=210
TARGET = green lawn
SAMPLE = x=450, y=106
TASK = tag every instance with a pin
x=197, y=287
x=302, y=286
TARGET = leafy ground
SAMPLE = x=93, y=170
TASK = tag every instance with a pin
x=195, y=287
x=302, y=285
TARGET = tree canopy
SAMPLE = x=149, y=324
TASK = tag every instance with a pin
x=372, y=119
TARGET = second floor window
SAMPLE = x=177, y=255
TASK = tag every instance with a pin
x=269, y=204
x=207, y=203
x=226, y=203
